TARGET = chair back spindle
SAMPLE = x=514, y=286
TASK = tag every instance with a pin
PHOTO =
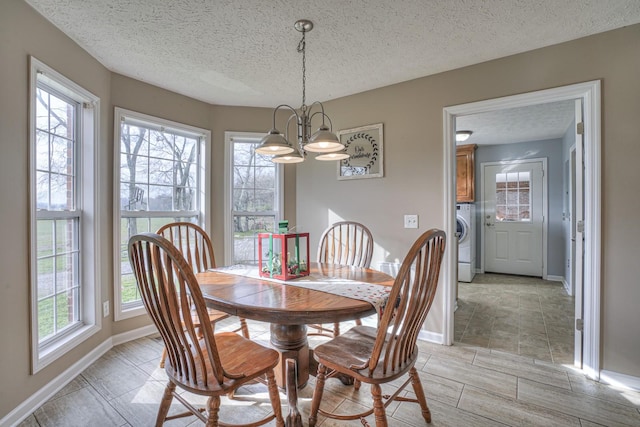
x=346, y=243
x=193, y=242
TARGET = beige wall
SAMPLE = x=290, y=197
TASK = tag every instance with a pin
x=413, y=182
x=413, y=155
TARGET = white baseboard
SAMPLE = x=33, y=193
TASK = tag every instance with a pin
x=133, y=335
x=37, y=399
x=429, y=336
x=553, y=278
x=620, y=380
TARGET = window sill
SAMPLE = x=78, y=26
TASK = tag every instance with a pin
x=52, y=352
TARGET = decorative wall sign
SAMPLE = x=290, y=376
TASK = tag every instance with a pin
x=364, y=146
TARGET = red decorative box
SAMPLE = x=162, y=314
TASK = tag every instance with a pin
x=283, y=256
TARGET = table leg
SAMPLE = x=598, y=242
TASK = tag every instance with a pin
x=291, y=342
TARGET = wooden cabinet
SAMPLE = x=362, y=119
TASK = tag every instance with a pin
x=465, y=175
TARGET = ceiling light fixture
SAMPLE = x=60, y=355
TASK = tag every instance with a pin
x=463, y=135
x=323, y=141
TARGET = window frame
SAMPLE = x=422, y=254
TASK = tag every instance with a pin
x=87, y=212
x=128, y=310
x=228, y=188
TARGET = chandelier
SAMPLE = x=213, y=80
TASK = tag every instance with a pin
x=323, y=141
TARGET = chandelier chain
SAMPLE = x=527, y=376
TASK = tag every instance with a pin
x=302, y=48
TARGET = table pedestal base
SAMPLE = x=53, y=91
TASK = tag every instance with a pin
x=291, y=342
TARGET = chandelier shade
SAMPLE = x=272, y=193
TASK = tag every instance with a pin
x=274, y=143
x=323, y=141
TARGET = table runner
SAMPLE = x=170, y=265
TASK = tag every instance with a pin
x=376, y=295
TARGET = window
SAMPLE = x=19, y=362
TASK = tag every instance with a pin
x=64, y=284
x=160, y=178
x=253, y=198
x=512, y=196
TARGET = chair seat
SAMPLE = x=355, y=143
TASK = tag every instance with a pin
x=214, y=316
x=238, y=355
x=354, y=348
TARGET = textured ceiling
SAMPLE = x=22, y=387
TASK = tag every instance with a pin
x=533, y=123
x=243, y=52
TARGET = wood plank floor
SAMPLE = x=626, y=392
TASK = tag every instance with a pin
x=466, y=385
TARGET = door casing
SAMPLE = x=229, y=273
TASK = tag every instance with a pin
x=590, y=93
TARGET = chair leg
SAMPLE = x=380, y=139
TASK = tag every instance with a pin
x=358, y=322
x=336, y=329
x=378, y=406
x=419, y=391
x=244, y=328
x=165, y=404
x=274, y=396
x=317, y=395
x=213, y=407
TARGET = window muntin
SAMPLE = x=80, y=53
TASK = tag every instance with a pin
x=254, y=196
x=513, y=201
x=160, y=180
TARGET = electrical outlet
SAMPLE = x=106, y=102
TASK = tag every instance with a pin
x=105, y=309
x=411, y=221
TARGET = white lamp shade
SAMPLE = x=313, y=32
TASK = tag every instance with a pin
x=293, y=157
x=323, y=141
x=274, y=143
x=463, y=135
x=339, y=155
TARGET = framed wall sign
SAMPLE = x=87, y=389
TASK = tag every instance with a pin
x=364, y=146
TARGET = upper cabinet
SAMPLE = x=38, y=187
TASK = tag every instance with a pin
x=465, y=187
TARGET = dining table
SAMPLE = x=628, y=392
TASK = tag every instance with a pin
x=289, y=306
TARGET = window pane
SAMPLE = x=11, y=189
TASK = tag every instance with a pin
x=512, y=196
x=245, y=236
x=61, y=119
x=44, y=236
x=45, y=318
x=64, y=272
x=265, y=177
x=61, y=156
x=42, y=190
x=65, y=235
x=46, y=283
x=42, y=150
x=66, y=308
x=161, y=171
x=62, y=192
x=160, y=198
x=264, y=200
x=185, y=199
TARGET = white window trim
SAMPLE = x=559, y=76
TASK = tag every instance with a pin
x=204, y=175
x=89, y=178
x=228, y=188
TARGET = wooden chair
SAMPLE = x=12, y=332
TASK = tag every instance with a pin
x=344, y=243
x=197, y=361
x=195, y=246
x=384, y=354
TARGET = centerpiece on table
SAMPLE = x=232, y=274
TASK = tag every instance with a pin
x=283, y=255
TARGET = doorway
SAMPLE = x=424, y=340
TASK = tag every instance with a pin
x=589, y=95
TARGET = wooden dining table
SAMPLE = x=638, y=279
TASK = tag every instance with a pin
x=289, y=308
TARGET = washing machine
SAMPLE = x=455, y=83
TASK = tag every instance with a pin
x=465, y=219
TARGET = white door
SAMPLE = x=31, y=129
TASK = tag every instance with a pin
x=577, y=238
x=513, y=217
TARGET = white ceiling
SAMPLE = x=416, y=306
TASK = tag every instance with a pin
x=243, y=52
